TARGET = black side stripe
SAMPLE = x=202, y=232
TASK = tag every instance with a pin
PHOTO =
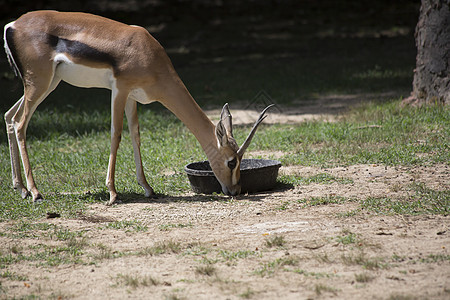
x=80, y=50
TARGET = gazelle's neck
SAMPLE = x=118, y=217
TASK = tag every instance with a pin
x=180, y=102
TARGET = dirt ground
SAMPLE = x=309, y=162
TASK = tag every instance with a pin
x=271, y=245
x=226, y=248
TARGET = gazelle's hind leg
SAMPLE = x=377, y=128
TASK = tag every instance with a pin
x=133, y=126
x=17, y=119
x=14, y=150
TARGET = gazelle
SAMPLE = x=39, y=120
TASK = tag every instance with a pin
x=45, y=47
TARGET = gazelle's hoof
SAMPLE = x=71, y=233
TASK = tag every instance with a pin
x=150, y=194
x=113, y=200
x=22, y=189
x=38, y=198
x=24, y=193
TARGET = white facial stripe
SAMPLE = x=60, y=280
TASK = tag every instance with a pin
x=234, y=179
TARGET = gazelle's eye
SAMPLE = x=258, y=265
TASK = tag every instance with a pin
x=232, y=163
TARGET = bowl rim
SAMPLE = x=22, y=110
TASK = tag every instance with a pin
x=194, y=172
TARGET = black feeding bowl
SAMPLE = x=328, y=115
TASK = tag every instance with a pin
x=257, y=175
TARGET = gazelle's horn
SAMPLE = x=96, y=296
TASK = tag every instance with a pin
x=245, y=145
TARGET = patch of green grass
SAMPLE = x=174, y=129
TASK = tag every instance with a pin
x=323, y=258
x=210, y=261
x=173, y=297
x=13, y=276
x=196, y=249
x=322, y=178
x=136, y=281
x=425, y=201
x=346, y=238
x=77, y=243
x=26, y=226
x=325, y=200
x=397, y=296
x=105, y=252
x=249, y=293
x=162, y=248
x=16, y=249
x=403, y=136
x=128, y=225
x=364, y=261
x=431, y=201
x=275, y=241
x=69, y=249
x=398, y=258
x=7, y=259
x=364, y=278
x=431, y=258
x=234, y=255
x=321, y=288
x=64, y=234
x=284, y=205
x=349, y=214
x=28, y=229
x=207, y=270
x=316, y=275
x=44, y=255
x=12, y=207
x=167, y=227
x=54, y=256
x=271, y=267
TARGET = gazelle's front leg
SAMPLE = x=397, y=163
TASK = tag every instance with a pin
x=117, y=109
x=118, y=101
x=133, y=125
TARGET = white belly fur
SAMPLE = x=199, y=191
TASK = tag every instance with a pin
x=87, y=77
x=80, y=75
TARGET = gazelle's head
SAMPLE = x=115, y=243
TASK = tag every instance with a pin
x=227, y=161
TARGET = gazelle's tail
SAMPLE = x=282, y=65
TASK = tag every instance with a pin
x=10, y=48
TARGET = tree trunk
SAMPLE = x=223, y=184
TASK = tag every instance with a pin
x=431, y=77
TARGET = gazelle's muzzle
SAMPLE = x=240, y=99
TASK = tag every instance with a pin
x=235, y=190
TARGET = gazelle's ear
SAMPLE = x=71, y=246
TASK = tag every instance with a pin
x=224, y=128
x=221, y=134
x=226, y=118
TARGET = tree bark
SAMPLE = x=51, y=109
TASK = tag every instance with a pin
x=431, y=82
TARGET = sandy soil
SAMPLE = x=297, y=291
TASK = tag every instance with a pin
x=215, y=247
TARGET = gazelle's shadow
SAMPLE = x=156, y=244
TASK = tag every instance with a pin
x=129, y=197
